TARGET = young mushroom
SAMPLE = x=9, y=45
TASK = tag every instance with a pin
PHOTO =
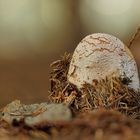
x=100, y=55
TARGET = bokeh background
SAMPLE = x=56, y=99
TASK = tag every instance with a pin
x=34, y=33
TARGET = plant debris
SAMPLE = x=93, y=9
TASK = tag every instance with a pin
x=34, y=114
x=110, y=93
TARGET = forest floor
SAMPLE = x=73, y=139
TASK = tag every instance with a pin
x=67, y=115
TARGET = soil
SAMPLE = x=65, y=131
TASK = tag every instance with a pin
x=98, y=124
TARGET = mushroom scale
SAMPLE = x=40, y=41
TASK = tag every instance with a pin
x=100, y=55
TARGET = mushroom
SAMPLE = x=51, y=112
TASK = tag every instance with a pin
x=100, y=55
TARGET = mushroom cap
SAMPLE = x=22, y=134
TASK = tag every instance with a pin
x=100, y=55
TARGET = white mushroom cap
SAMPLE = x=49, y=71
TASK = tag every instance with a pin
x=100, y=55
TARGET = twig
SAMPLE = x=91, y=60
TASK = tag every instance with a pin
x=118, y=99
x=133, y=37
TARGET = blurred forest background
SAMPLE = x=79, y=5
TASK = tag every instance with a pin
x=34, y=33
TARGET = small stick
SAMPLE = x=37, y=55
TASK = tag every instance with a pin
x=133, y=37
